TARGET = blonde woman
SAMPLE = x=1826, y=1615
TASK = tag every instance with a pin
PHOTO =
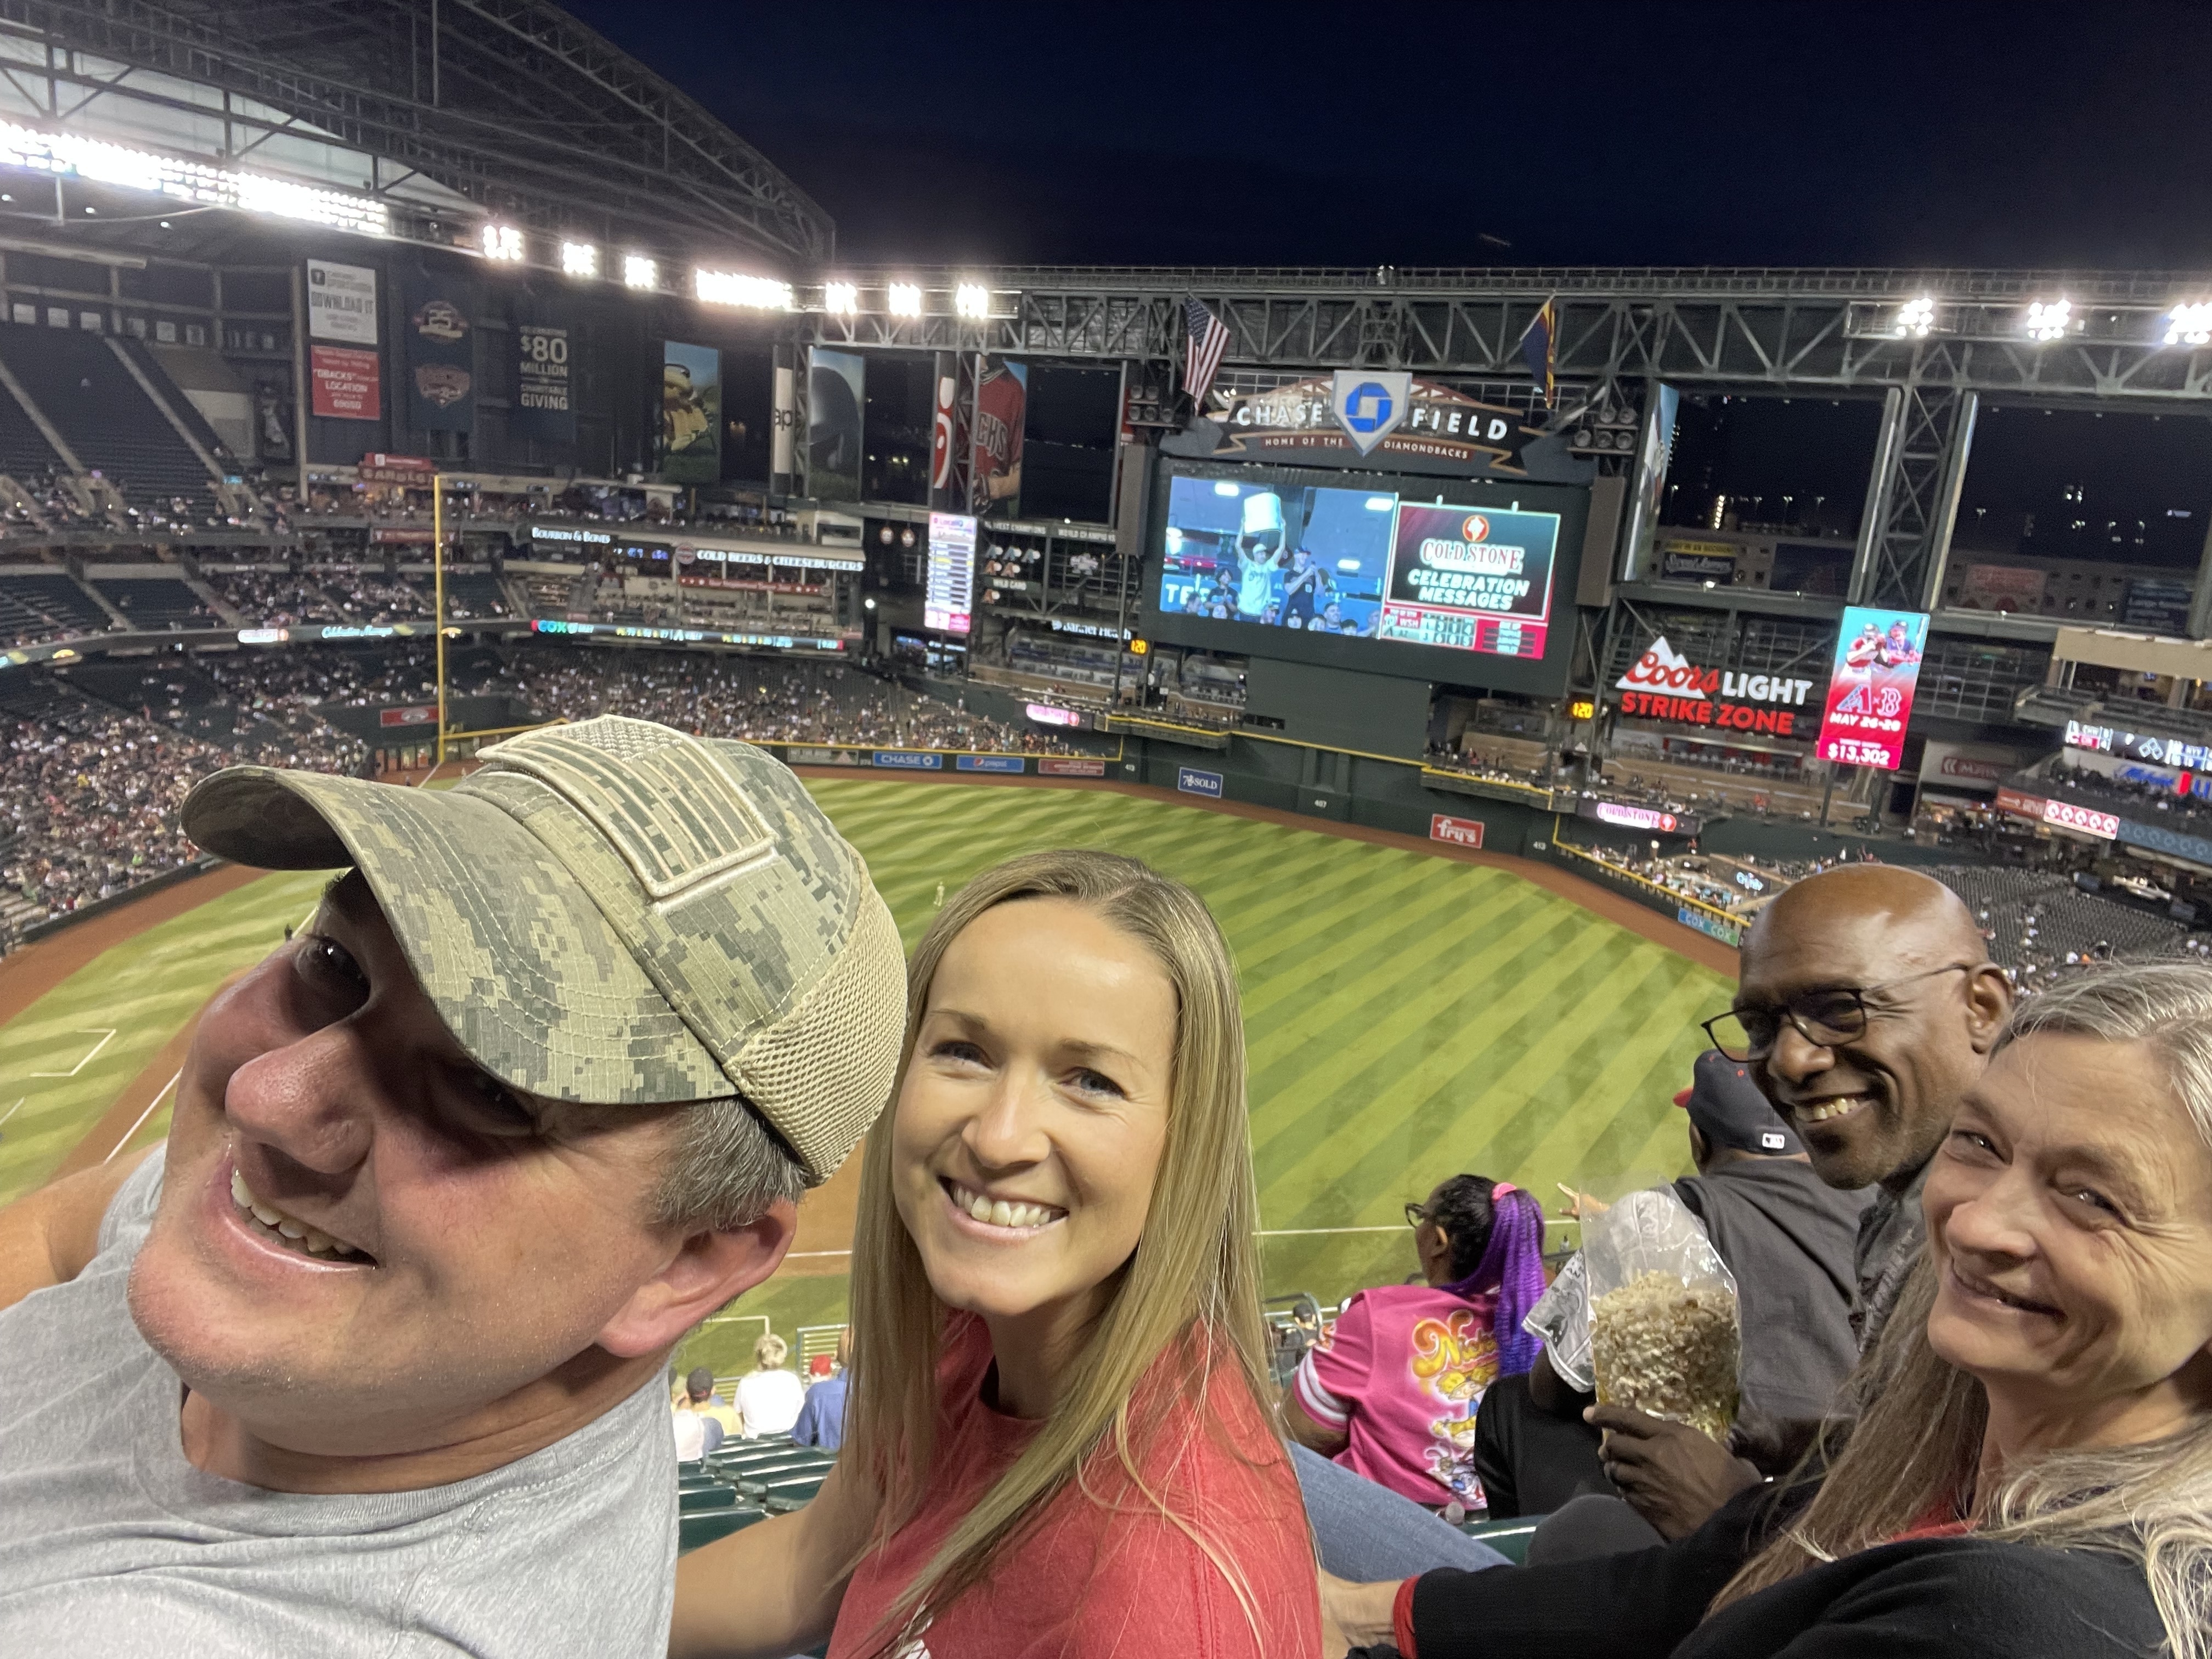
x=768, y=1396
x=2031, y=1473
x=1058, y=1441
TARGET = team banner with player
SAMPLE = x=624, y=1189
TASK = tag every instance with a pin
x=837, y=407
x=1876, y=671
x=994, y=477
x=690, y=413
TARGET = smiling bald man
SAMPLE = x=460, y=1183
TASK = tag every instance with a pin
x=1866, y=1007
x=367, y=1360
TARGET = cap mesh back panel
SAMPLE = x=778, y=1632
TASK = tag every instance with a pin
x=823, y=1074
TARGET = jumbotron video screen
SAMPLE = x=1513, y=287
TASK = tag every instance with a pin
x=1361, y=563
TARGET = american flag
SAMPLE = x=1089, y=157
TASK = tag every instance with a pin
x=1209, y=338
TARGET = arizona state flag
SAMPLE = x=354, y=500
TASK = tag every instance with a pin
x=1538, y=347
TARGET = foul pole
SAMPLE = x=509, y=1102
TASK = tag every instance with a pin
x=438, y=598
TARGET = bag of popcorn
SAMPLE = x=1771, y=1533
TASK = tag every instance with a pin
x=1665, y=1333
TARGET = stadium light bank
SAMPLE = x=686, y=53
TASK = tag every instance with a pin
x=65, y=155
x=97, y=161
x=2045, y=322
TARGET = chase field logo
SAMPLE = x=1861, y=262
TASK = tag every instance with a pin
x=1369, y=404
x=1664, y=669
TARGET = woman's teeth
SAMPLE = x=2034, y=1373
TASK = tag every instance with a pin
x=1821, y=1111
x=997, y=1212
x=285, y=1229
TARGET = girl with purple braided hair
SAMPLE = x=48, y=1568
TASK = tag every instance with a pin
x=1391, y=1391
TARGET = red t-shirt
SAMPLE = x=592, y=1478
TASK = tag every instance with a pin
x=1105, y=1573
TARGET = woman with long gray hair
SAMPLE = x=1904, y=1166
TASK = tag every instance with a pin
x=2030, y=1471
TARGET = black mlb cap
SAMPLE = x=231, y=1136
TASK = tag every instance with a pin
x=1728, y=1109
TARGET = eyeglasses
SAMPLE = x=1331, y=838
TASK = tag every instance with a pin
x=1415, y=1215
x=1824, y=1017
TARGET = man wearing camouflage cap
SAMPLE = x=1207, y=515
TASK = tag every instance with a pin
x=450, y=1174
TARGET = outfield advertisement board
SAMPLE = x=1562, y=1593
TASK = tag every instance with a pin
x=990, y=763
x=1870, y=687
x=1623, y=815
x=1728, y=933
x=1192, y=781
x=1070, y=766
x=1458, y=832
x=910, y=760
x=2058, y=814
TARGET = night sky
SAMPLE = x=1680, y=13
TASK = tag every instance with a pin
x=1911, y=134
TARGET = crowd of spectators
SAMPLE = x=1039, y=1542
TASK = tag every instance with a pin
x=339, y=594
x=760, y=700
x=89, y=794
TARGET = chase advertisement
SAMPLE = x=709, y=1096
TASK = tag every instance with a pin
x=1359, y=562
x=1877, y=669
x=1389, y=415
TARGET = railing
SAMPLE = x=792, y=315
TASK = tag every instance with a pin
x=1721, y=924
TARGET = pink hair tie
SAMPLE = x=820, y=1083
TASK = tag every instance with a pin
x=1501, y=1189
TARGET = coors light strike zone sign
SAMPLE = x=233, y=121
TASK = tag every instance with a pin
x=1664, y=685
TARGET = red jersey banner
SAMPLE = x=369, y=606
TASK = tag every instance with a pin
x=994, y=477
x=1877, y=669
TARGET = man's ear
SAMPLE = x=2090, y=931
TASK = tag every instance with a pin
x=1989, y=1005
x=708, y=1270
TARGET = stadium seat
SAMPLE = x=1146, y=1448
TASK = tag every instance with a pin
x=1509, y=1538
x=705, y=1526
x=788, y=1492
x=706, y=1497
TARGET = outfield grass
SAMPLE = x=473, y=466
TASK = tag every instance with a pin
x=1408, y=1017
x=142, y=991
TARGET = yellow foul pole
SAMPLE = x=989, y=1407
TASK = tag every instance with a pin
x=438, y=595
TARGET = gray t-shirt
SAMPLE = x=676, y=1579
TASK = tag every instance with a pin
x=112, y=1542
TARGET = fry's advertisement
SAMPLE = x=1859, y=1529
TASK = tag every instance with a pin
x=1871, y=694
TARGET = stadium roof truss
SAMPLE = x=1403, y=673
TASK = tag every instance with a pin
x=1929, y=344
x=445, y=110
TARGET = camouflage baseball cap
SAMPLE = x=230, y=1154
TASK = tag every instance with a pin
x=616, y=912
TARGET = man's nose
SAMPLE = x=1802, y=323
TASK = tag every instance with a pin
x=1796, y=1057
x=307, y=1099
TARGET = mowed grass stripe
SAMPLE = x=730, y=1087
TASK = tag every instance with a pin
x=145, y=988
x=1345, y=1125
x=1483, y=1104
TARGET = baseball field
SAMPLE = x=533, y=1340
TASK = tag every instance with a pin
x=1409, y=1015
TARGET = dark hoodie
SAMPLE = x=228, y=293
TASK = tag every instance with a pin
x=1788, y=1237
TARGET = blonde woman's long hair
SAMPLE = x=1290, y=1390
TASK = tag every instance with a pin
x=1195, y=1267
x=1917, y=1445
